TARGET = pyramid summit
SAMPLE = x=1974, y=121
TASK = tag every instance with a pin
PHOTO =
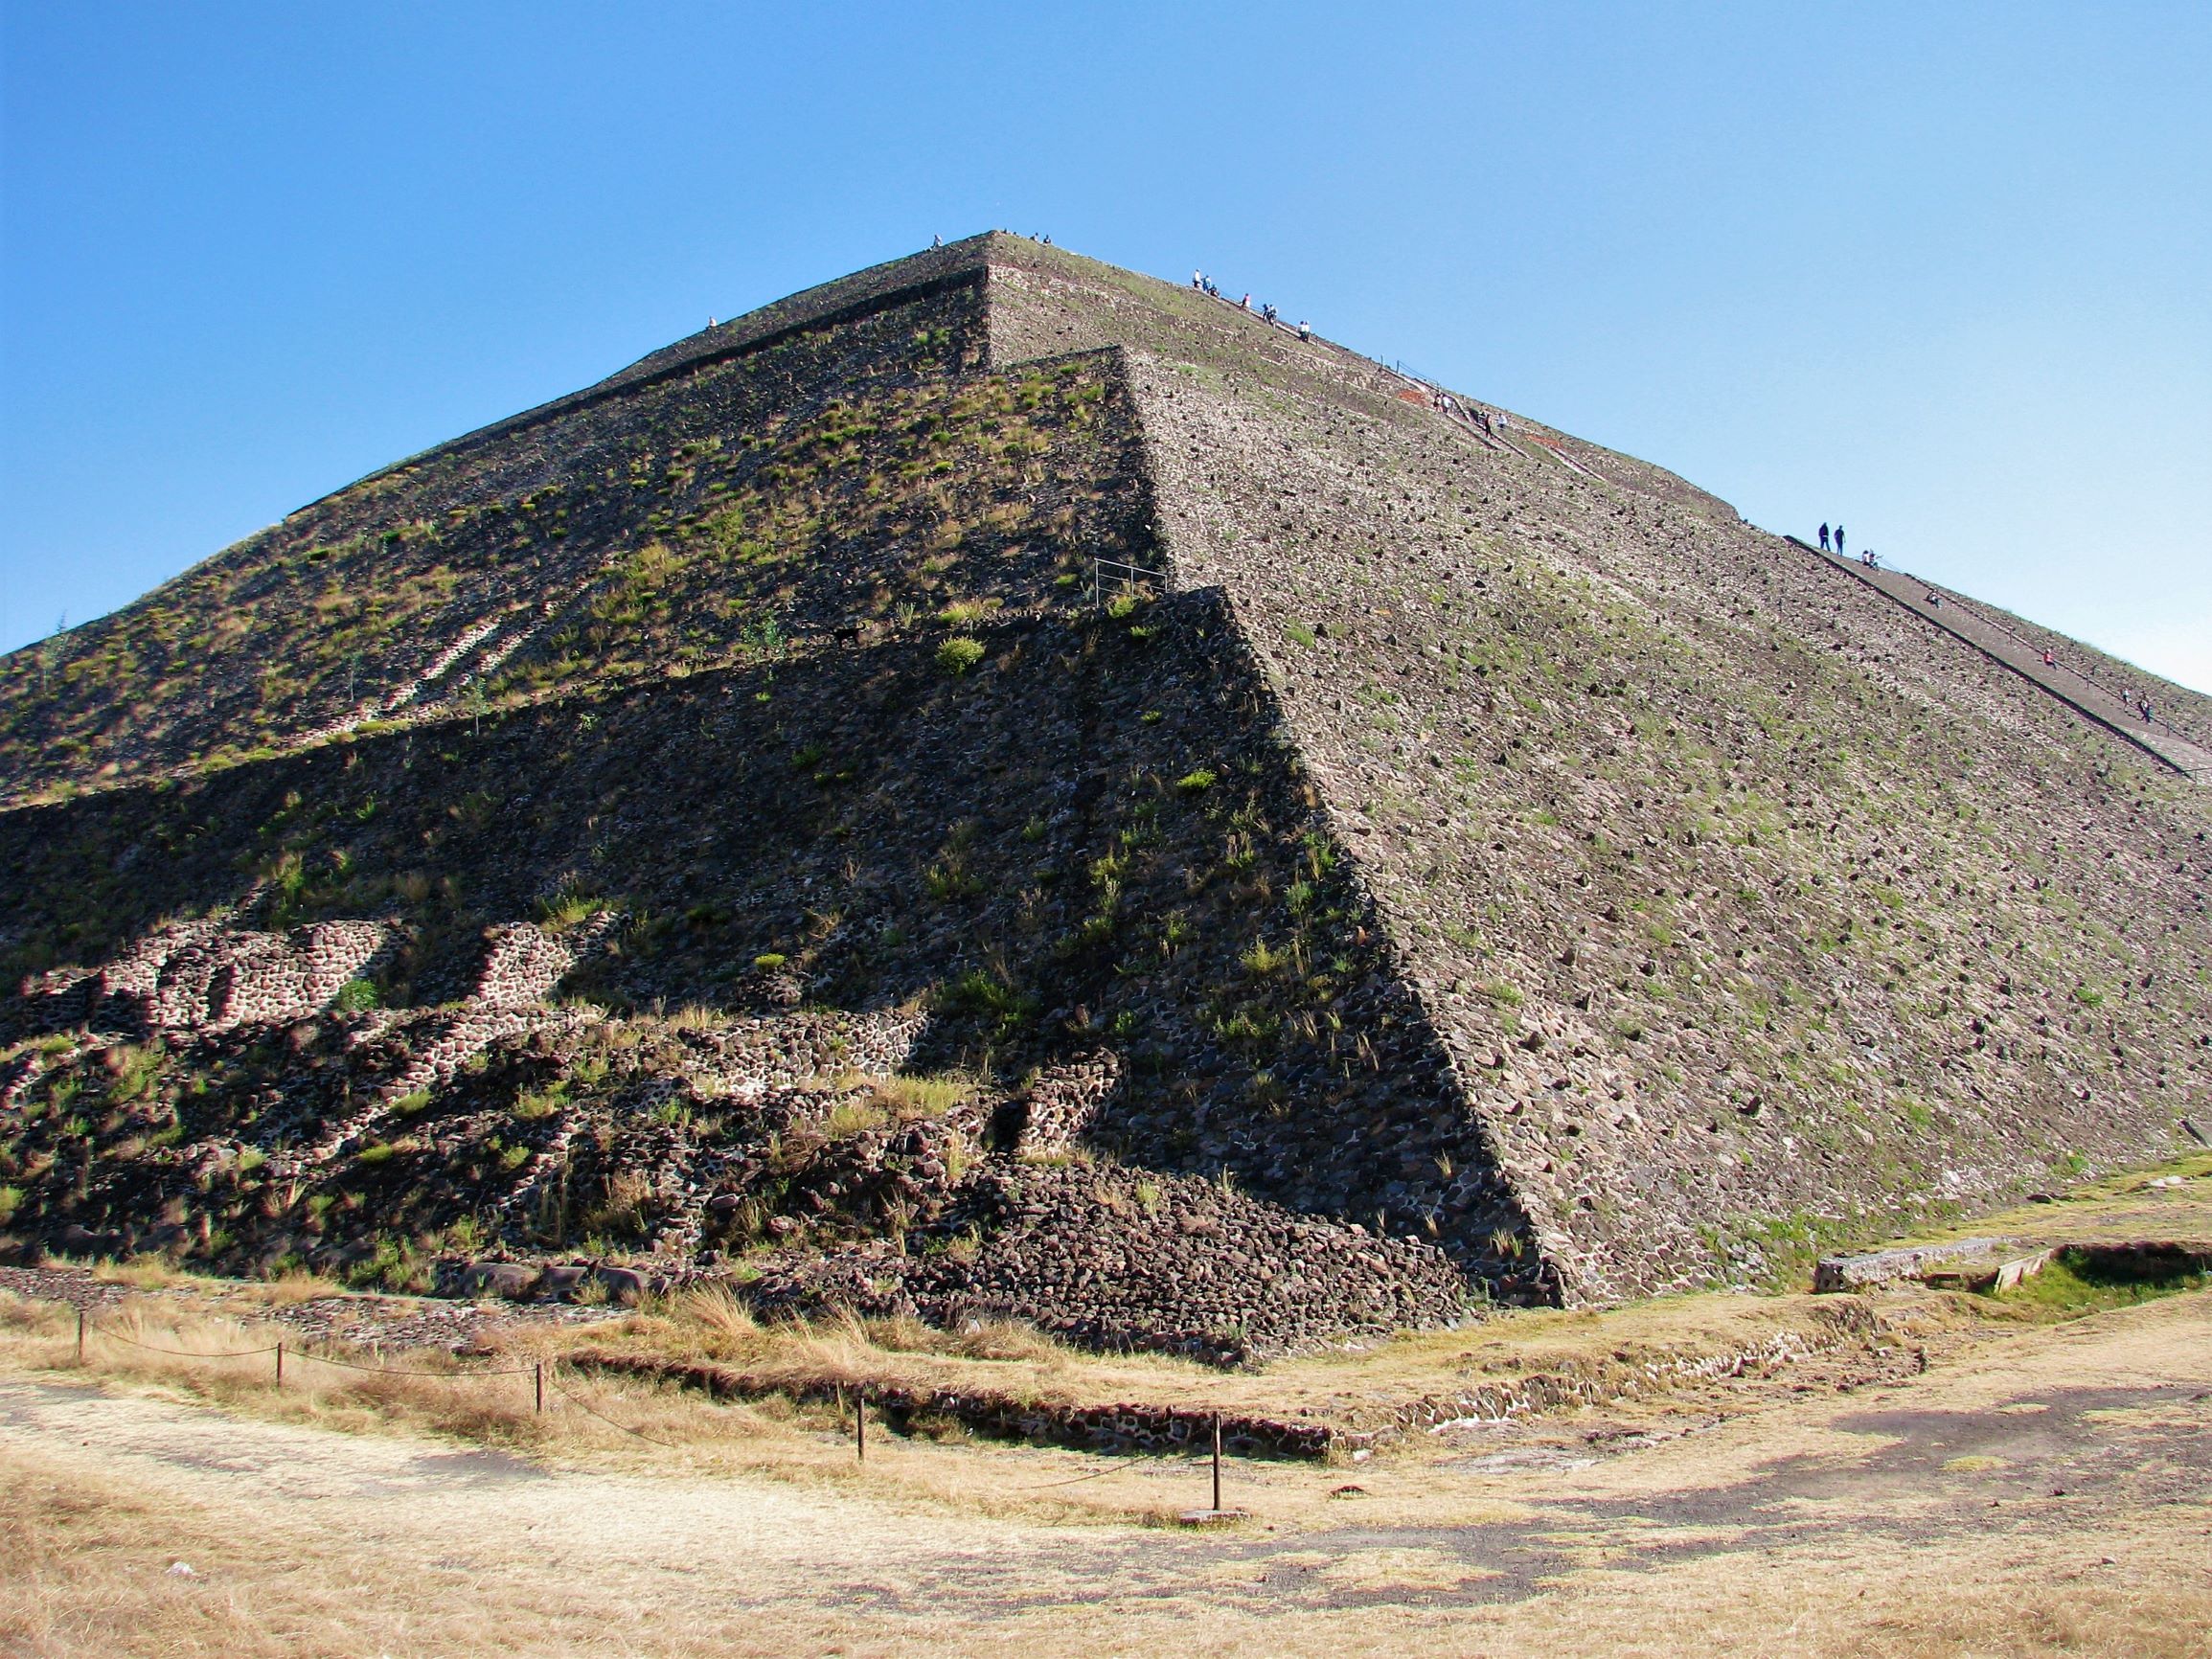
x=998, y=783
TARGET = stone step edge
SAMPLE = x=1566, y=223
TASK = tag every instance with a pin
x=1124, y=1426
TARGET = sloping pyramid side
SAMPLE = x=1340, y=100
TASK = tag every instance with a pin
x=1751, y=910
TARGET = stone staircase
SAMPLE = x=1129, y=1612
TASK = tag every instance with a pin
x=2093, y=700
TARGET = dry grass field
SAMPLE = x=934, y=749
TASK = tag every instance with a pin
x=1968, y=1475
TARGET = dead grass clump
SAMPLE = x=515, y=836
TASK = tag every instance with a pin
x=143, y=1272
x=622, y=1213
x=292, y=1287
x=913, y=1099
x=848, y=1118
x=1007, y=1339
x=720, y=1312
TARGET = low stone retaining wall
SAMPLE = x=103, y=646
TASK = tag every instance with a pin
x=1124, y=1427
x=1168, y=1429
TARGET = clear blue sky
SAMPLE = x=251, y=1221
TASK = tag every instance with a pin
x=1943, y=272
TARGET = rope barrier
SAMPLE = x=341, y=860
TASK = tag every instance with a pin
x=550, y=1373
x=1112, y=1468
x=96, y=1330
x=179, y=1353
x=554, y=1377
x=398, y=1371
x=545, y=1372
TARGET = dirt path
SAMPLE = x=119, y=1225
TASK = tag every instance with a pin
x=2060, y=1483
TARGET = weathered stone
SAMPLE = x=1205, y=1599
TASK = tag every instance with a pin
x=1462, y=829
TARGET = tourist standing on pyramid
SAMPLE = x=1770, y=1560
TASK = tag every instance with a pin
x=1824, y=536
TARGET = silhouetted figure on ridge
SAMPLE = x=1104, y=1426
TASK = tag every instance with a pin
x=1839, y=538
x=1824, y=536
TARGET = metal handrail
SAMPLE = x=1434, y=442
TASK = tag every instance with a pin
x=2034, y=651
x=1100, y=563
x=1973, y=610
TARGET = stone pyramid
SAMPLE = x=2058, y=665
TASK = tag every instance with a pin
x=1309, y=825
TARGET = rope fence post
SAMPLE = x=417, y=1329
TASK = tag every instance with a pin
x=80, y=1337
x=279, y=1365
x=539, y=1369
x=861, y=1423
x=1217, y=1462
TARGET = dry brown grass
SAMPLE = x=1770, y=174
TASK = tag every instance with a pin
x=2130, y=1205
x=590, y=1420
x=748, y=1527
x=1636, y=1350
x=677, y=1524
x=85, y=1557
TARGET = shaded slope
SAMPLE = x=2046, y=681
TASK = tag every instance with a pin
x=1085, y=841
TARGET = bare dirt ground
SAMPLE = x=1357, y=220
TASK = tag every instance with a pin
x=2048, y=1489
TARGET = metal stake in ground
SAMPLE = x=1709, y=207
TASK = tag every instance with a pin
x=1217, y=1462
x=279, y=1365
x=80, y=1337
x=541, y=1380
x=1217, y=1515
x=861, y=1423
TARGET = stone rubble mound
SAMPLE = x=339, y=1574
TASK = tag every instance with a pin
x=1116, y=1259
x=206, y=975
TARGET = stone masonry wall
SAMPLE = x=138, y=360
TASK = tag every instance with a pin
x=1747, y=913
